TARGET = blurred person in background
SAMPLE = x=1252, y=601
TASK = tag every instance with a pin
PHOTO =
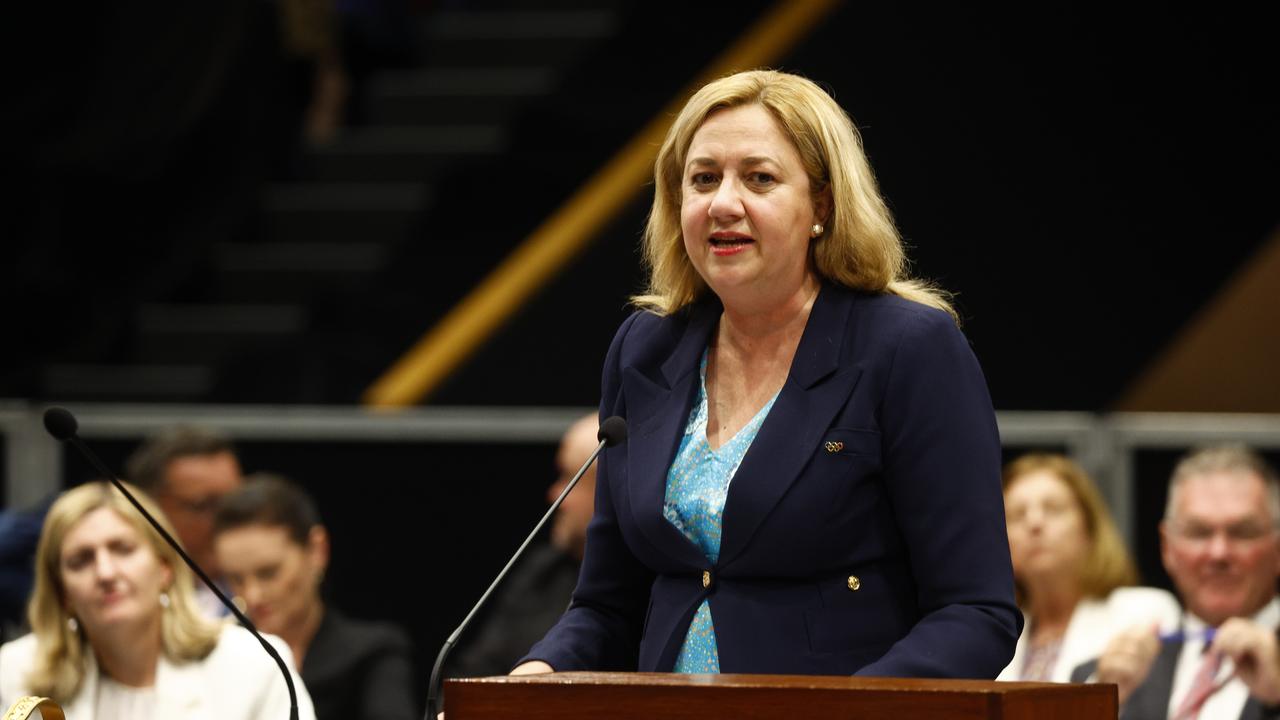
x=274, y=550
x=537, y=592
x=1220, y=543
x=1071, y=568
x=188, y=469
x=19, y=535
x=309, y=34
x=116, y=633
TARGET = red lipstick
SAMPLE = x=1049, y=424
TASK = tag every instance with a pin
x=729, y=243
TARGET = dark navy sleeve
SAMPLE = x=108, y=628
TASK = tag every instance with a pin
x=942, y=474
x=601, y=629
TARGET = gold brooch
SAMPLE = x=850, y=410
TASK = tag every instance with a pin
x=834, y=446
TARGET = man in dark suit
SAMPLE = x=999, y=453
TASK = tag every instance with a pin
x=1219, y=543
x=536, y=594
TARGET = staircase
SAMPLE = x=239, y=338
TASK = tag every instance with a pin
x=271, y=319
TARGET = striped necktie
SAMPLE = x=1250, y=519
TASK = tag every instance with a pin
x=1202, y=687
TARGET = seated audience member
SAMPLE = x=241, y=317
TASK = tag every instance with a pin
x=537, y=592
x=1219, y=543
x=274, y=551
x=181, y=468
x=19, y=533
x=188, y=470
x=116, y=633
x=1071, y=569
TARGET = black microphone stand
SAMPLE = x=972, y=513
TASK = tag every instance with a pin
x=612, y=431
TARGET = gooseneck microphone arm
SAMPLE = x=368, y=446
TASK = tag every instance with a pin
x=62, y=425
x=612, y=432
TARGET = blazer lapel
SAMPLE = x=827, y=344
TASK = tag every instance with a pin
x=658, y=405
x=815, y=390
x=84, y=706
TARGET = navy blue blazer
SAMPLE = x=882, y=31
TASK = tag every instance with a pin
x=863, y=532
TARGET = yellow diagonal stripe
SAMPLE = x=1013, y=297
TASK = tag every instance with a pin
x=553, y=244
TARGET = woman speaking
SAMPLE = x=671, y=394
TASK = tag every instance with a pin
x=812, y=479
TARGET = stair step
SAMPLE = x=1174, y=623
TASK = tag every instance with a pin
x=358, y=213
x=515, y=24
x=470, y=95
x=464, y=82
x=505, y=38
x=294, y=271
x=402, y=153
x=346, y=197
x=222, y=319
x=217, y=332
x=128, y=382
x=300, y=257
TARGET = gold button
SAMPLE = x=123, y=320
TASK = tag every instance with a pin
x=834, y=446
x=706, y=578
x=854, y=582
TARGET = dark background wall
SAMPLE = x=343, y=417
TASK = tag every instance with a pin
x=1082, y=182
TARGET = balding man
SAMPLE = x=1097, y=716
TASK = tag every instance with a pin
x=536, y=594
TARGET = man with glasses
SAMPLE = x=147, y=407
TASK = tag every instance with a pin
x=188, y=470
x=1219, y=543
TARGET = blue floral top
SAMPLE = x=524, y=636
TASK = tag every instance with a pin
x=697, y=485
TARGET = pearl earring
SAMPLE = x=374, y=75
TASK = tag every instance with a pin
x=164, y=600
x=816, y=230
x=73, y=625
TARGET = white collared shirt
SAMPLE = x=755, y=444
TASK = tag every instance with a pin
x=1228, y=702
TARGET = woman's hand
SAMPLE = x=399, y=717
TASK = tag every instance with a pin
x=533, y=667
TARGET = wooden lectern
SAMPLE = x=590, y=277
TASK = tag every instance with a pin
x=624, y=696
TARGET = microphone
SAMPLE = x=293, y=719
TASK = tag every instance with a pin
x=62, y=425
x=613, y=431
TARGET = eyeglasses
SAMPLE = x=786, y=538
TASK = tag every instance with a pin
x=1241, y=533
x=200, y=506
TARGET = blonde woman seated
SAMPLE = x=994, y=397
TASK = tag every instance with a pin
x=1071, y=570
x=115, y=631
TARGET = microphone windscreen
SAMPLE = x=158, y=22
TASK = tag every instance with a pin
x=612, y=431
x=60, y=423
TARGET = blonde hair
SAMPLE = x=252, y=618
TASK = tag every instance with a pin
x=62, y=653
x=1107, y=564
x=859, y=248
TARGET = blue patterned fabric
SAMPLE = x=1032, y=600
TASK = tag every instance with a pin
x=697, y=485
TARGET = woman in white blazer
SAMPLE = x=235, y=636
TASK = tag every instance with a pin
x=1071, y=570
x=116, y=633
